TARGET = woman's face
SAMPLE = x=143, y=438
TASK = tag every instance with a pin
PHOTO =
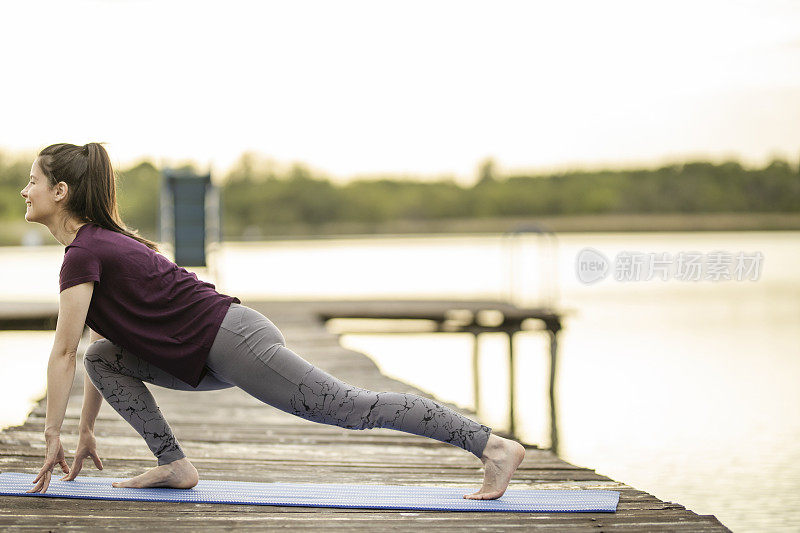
x=39, y=197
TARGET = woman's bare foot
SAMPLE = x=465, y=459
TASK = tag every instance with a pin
x=180, y=474
x=501, y=457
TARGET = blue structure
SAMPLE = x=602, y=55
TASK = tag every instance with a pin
x=189, y=215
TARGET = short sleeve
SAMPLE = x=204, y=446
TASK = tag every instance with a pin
x=80, y=265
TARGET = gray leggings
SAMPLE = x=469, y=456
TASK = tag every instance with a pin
x=250, y=352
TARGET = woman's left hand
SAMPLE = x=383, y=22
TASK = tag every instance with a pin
x=55, y=455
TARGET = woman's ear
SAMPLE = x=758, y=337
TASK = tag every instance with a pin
x=61, y=190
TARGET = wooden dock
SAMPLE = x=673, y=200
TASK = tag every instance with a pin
x=229, y=435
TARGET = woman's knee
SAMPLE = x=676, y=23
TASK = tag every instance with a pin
x=100, y=352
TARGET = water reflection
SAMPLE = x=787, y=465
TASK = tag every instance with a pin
x=23, y=372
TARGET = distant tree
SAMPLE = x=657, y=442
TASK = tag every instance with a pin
x=486, y=171
x=261, y=197
x=138, y=196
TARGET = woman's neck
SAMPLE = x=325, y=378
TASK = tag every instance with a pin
x=65, y=232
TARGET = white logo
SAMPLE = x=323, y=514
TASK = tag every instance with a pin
x=591, y=265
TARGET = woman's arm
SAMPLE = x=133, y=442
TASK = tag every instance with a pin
x=60, y=373
x=91, y=397
x=72, y=310
x=73, y=307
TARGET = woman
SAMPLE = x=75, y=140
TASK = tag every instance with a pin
x=153, y=321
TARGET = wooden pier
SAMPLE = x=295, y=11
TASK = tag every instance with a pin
x=230, y=435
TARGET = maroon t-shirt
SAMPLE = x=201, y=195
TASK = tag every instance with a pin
x=144, y=302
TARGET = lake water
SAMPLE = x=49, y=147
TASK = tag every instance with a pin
x=686, y=389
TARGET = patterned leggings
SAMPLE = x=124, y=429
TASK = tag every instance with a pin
x=250, y=352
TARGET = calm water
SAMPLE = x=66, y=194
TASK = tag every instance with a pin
x=688, y=390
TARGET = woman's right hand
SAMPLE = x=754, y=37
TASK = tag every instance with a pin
x=87, y=447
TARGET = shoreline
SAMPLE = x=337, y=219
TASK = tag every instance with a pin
x=622, y=223
x=12, y=233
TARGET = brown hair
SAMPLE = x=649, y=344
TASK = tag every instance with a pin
x=91, y=179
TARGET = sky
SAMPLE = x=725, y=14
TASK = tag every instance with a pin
x=426, y=89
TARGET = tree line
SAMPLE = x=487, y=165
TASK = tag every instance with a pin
x=261, y=197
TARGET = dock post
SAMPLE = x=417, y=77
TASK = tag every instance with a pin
x=511, y=380
x=476, y=371
x=552, y=331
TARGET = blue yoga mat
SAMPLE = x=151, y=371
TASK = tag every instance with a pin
x=320, y=495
